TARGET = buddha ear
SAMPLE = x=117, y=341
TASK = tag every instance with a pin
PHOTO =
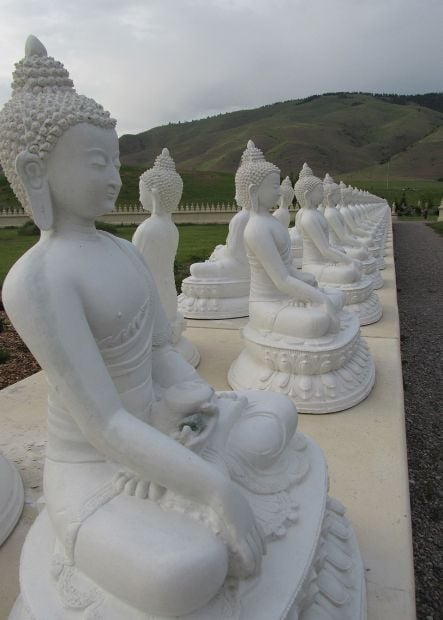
x=156, y=202
x=253, y=196
x=32, y=172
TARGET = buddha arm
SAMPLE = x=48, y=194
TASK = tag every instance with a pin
x=61, y=340
x=338, y=227
x=266, y=251
x=321, y=242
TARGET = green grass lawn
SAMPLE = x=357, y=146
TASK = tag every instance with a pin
x=438, y=227
x=196, y=243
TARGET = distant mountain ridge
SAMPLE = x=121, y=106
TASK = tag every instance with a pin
x=341, y=133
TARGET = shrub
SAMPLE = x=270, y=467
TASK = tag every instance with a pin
x=28, y=229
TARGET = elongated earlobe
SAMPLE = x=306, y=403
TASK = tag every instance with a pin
x=253, y=196
x=156, y=203
x=32, y=172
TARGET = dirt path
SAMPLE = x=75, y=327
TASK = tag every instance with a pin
x=419, y=265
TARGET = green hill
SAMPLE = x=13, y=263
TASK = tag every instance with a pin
x=352, y=133
x=389, y=144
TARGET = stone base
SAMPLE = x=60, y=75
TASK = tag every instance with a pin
x=11, y=498
x=377, y=280
x=360, y=298
x=370, y=268
x=321, y=375
x=214, y=299
x=312, y=569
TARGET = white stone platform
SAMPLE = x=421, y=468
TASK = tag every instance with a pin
x=365, y=448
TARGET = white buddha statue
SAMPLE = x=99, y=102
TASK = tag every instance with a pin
x=219, y=287
x=341, y=239
x=11, y=498
x=283, y=215
x=157, y=237
x=298, y=340
x=160, y=494
x=352, y=227
x=329, y=265
x=284, y=202
x=296, y=244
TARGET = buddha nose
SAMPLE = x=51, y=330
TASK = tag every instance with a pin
x=115, y=181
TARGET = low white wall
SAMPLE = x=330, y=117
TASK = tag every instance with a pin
x=134, y=214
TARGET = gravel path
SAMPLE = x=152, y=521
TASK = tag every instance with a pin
x=419, y=266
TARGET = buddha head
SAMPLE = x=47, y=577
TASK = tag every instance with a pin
x=161, y=186
x=257, y=181
x=331, y=191
x=344, y=194
x=287, y=193
x=308, y=189
x=58, y=149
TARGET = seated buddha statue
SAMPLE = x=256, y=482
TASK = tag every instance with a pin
x=368, y=219
x=341, y=239
x=283, y=215
x=331, y=266
x=293, y=324
x=364, y=236
x=218, y=288
x=285, y=201
x=160, y=494
x=156, y=238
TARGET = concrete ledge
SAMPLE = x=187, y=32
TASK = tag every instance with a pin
x=365, y=448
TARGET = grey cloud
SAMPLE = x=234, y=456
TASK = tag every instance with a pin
x=166, y=60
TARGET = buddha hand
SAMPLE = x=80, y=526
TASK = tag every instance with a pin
x=333, y=315
x=246, y=540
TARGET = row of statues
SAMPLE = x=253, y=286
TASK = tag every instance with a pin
x=303, y=337
x=163, y=498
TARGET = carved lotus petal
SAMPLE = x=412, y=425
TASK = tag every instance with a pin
x=305, y=384
x=332, y=588
x=337, y=557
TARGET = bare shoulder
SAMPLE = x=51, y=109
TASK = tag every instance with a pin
x=33, y=278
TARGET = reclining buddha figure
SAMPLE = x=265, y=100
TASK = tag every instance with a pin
x=159, y=493
x=298, y=340
x=331, y=266
x=364, y=236
x=156, y=238
x=341, y=239
x=219, y=287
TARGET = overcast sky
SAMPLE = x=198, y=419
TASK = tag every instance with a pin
x=150, y=62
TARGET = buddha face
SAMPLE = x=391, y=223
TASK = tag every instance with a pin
x=82, y=172
x=269, y=191
x=315, y=196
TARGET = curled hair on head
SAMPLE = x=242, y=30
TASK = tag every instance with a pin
x=329, y=186
x=287, y=191
x=164, y=177
x=252, y=170
x=43, y=105
x=306, y=183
